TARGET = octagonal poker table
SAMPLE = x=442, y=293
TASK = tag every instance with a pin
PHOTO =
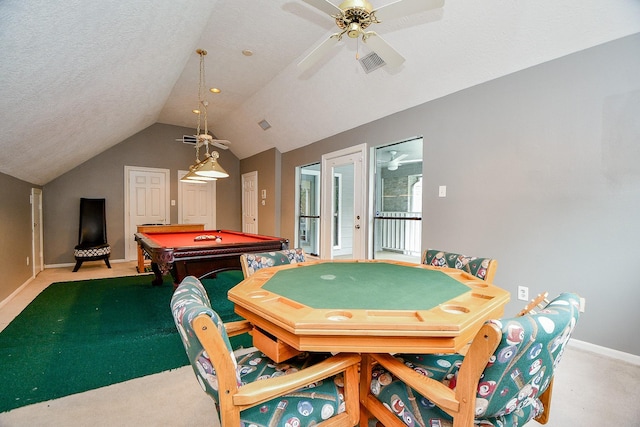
x=364, y=306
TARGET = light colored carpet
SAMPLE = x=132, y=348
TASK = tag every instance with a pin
x=172, y=398
x=589, y=390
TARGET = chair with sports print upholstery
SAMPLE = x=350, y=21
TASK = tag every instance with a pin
x=92, y=233
x=252, y=262
x=483, y=268
x=247, y=387
x=500, y=382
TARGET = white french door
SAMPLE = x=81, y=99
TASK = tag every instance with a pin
x=344, y=199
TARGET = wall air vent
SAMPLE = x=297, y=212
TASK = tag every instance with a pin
x=371, y=61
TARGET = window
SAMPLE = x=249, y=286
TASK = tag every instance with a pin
x=308, y=208
x=398, y=201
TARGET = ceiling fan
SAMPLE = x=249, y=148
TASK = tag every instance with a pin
x=191, y=139
x=396, y=160
x=353, y=17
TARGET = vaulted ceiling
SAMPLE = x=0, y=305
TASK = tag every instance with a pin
x=79, y=76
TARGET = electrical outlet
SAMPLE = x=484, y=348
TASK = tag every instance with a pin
x=583, y=302
x=523, y=293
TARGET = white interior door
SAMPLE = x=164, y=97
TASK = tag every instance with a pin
x=343, y=224
x=36, y=220
x=197, y=203
x=147, y=202
x=250, y=202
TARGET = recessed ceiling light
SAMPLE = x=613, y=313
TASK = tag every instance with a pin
x=215, y=90
x=247, y=52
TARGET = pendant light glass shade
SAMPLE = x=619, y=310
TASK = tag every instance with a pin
x=192, y=178
x=211, y=168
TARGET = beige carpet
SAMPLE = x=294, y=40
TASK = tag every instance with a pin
x=171, y=398
x=590, y=390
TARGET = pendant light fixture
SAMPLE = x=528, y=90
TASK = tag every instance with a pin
x=208, y=169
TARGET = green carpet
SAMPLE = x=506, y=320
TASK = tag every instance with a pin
x=77, y=336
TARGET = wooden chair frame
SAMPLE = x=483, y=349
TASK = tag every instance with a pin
x=459, y=403
x=234, y=399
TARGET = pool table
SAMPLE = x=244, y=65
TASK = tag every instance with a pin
x=156, y=228
x=201, y=253
x=364, y=307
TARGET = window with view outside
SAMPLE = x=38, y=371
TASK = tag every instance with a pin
x=308, y=209
x=398, y=201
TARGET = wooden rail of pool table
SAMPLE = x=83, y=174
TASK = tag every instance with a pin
x=165, y=228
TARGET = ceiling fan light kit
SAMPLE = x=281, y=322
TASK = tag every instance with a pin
x=208, y=169
x=353, y=17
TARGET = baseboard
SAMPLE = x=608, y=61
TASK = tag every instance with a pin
x=16, y=292
x=605, y=351
x=72, y=264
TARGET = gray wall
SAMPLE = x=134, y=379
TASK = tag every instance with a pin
x=15, y=234
x=542, y=169
x=267, y=164
x=103, y=176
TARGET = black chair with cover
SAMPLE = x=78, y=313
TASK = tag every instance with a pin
x=92, y=234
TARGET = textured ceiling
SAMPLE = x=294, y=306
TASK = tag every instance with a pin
x=79, y=76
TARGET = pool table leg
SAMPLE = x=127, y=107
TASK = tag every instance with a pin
x=158, y=280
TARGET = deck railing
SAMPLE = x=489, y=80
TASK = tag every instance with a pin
x=400, y=231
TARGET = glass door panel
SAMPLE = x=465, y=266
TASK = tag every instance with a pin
x=308, y=237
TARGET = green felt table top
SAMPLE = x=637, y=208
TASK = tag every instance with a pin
x=372, y=286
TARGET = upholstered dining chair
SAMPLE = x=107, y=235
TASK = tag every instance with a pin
x=252, y=262
x=250, y=389
x=483, y=268
x=499, y=382
x=92, y=233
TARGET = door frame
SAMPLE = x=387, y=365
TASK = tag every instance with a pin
x=359, y=154
x=36, y=229
x=127, y=212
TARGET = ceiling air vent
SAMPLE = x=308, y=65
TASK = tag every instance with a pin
x=371, y=62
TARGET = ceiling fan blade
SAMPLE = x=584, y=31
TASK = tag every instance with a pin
x=400, y=157
x=401, y=8
x=220, y=143
x=324, y=5
x=384, y=50
x=318, y=53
